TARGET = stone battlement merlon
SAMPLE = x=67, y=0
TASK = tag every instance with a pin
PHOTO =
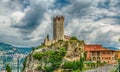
x=57, y=18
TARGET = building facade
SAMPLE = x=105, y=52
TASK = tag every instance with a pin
x=97, y=53
x=117, y=54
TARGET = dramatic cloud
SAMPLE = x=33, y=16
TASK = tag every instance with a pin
x=27, y=22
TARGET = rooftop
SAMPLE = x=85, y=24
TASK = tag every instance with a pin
x=96, y=47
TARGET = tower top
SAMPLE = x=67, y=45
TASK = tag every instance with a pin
x=58, y=18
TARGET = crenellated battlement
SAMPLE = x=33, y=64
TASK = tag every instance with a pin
x=58, y=18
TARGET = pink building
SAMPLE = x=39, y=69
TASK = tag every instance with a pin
x=98, y=53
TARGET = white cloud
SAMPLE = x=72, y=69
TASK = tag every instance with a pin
x=87, y=19
x=17, y=16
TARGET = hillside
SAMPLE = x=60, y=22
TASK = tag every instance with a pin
x=9, y=55
x=5, y=46
x=54, y=57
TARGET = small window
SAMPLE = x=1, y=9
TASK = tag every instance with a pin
x=113, y=58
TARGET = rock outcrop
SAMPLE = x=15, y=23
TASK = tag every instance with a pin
x=50, y=58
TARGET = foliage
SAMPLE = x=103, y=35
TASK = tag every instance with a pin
x=81, y=63
x=73, y=38
x=48, y=69
x=68, y=65
x=75, y=70
x=75, y=65
x=47, y=36
x=38, y=55
x=81, y=41
x=24, y=63
x=39, y=67
x=8, y=68
x=41, y=46
x=91, y=65
x=33, y=48
x=54, y=57
x=85, y=54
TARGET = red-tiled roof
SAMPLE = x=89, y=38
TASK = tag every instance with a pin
x=95, y=47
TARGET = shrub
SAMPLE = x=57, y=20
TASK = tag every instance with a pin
x=75, y=70
x=81, y=63
x=33, y=48
x=68, y=65
x=73, y=38
x=39, y=67
x=41, y=46
x=48, y=69
x=38, y=56
x=54, y=57
x=76, y=65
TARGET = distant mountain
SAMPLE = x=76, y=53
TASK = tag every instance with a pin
x=10, y=53
x=10, y=50
x=4, y=46
x=112, y=48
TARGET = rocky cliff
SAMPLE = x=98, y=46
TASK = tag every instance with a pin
x=52, y=58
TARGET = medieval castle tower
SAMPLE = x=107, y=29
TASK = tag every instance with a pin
x=58, y=31
x=58, y=28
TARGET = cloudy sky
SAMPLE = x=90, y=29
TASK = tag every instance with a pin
x=27, y=22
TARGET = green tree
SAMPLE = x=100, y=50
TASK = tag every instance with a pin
x=48, y=36
x=85, y=54
x=38, y=55
x=119, y=64
x=81, y=63
x=8, y=68
x=33, y=48
x=73, y=38
x=68, y=65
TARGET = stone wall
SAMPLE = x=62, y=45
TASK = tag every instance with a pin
x=58, y=28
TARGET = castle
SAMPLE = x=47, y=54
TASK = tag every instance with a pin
x=58, y=31
x=92, y=50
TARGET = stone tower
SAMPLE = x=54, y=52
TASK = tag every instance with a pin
x=58, y=28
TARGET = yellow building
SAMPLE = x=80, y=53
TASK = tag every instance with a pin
x=118, y=54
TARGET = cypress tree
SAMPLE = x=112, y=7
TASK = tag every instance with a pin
x=8, y=68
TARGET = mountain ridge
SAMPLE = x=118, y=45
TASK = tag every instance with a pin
x=112, y=48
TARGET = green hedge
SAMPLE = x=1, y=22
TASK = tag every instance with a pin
x=75, y=65
x=73, y=38
x=38, y=55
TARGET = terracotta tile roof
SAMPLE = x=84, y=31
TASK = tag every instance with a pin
x=95, y=47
